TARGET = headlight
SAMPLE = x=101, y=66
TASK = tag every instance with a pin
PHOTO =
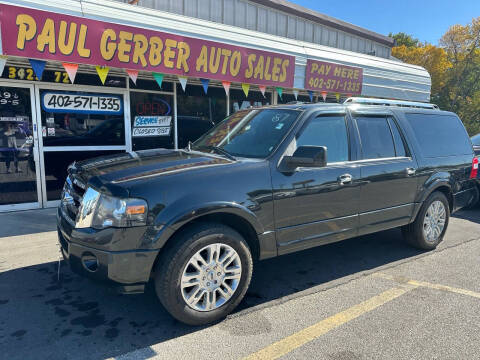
x=100, y=211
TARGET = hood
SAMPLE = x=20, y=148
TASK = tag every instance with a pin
x=112, y=173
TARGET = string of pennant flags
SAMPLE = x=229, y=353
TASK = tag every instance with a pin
x=38, y=66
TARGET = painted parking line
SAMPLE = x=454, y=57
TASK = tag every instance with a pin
x=428, y=285
x=294, y=341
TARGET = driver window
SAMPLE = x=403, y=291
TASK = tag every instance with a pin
x=329, y=131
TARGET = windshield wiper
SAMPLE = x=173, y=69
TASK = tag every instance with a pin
x=221, y=151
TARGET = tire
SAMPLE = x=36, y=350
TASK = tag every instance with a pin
x=176, y=261
x=414, y=233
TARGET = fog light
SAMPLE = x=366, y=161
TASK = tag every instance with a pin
x=90, y=262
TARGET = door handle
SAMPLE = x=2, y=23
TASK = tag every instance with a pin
x=345, y=179
x=410, y=171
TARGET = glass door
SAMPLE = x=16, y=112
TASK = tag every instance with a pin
x=19, y=170
x=77, y=123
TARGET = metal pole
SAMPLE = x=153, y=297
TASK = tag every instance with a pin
x=175, y=115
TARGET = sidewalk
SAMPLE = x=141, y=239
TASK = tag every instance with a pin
x=27, y=222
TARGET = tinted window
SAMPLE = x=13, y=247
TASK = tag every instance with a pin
x=328, y=131
x=440, y=135
x=376, y=138
x=397, y=138
x=249, y=133
x=476, y=140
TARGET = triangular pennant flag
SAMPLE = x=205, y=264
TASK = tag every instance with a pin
x=324, y=95
x=71, y=70
x=102, y=72
x=310, y=95
x=226, y=86
x=38, y=66
x=349, y=95
x=245, y=88
x=262, y=89
x=133, y=75
x=3, y=61
x=183, y=81
x=205, y=83
x=337, y=96
x=158, y=78
x=295, y=93
x=279, y=91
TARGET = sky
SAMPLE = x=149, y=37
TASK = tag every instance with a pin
x=426, y=20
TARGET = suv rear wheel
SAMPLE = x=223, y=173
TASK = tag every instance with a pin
x=205, y=274
x=428, y=229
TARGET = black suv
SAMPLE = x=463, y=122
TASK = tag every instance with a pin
x=262, y=183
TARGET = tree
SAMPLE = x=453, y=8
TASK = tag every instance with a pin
x=402, y=38
x=432, y=58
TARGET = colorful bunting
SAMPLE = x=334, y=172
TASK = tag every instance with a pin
x=183, y=81
x=245, y=88
x=133, y=75
x=324, y=95
x=279, y=91
x=262, y=89
x=205, y=83
x=3, y=61
x=38, y=66
x=295, y=94
x=226, y=86
x=337, y=96
x=71, y=70
x=310, y=95
x=102, y=72
x=158, y=78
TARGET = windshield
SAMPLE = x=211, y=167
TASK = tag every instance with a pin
x=476, y=140
x=250, y=133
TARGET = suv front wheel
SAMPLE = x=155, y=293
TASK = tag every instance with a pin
x=205, y=274
x=428, y=229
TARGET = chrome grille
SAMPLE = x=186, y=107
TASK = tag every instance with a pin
x=72, y=196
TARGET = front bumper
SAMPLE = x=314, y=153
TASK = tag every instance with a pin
x=128, y=271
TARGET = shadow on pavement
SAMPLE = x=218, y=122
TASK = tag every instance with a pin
x=77, y=318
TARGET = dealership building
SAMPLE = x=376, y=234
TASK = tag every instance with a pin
x=87, y=78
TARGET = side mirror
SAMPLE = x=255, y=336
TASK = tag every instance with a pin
x=305, y=156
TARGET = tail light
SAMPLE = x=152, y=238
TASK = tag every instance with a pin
x=474, y=172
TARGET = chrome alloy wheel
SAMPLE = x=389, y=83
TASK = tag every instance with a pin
x=211, y=277
x=434, y=221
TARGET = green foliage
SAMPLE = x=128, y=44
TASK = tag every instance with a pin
x=403, y=39
x=454, y=68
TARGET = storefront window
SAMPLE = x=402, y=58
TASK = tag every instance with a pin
x=144, y=84
x=152, y=120
x=238, y=100
x=198, y=112
x=75, y=118
x=290, y=98
x=56, y=165
x=17, y=166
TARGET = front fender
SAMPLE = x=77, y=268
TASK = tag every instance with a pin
x=168, y=224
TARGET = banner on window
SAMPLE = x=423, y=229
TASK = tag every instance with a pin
x=50, y=36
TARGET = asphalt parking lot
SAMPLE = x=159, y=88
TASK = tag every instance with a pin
x=364, y=298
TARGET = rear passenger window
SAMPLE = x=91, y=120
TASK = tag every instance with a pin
x=397, y=138
x=329, y=131
x=440, y=135
x=376, y=138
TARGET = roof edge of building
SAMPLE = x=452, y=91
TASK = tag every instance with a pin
x=323, y=19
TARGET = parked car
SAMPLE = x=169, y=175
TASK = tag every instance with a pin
x=476, y=144
x=263, y=183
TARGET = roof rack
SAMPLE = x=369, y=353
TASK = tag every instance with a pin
x=400, y=103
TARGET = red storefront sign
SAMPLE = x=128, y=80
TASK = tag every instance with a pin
x=50, y=36
x=333, y=78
